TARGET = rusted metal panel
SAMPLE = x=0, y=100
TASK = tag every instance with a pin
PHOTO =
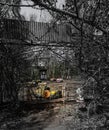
x=33, y=93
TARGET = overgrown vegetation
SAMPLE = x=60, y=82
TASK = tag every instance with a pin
x=90, y=43
x=89, y=31
x=12, y=61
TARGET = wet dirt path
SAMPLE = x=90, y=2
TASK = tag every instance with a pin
x=50, y=117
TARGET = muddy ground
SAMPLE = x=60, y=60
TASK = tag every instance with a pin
x=58, y=116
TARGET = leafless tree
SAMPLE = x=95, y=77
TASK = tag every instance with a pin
x=90, y=42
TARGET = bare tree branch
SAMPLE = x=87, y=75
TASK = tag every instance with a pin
x=16, y=5
x=63, y=12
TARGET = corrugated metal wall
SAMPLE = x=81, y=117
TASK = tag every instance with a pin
x=47, y=32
